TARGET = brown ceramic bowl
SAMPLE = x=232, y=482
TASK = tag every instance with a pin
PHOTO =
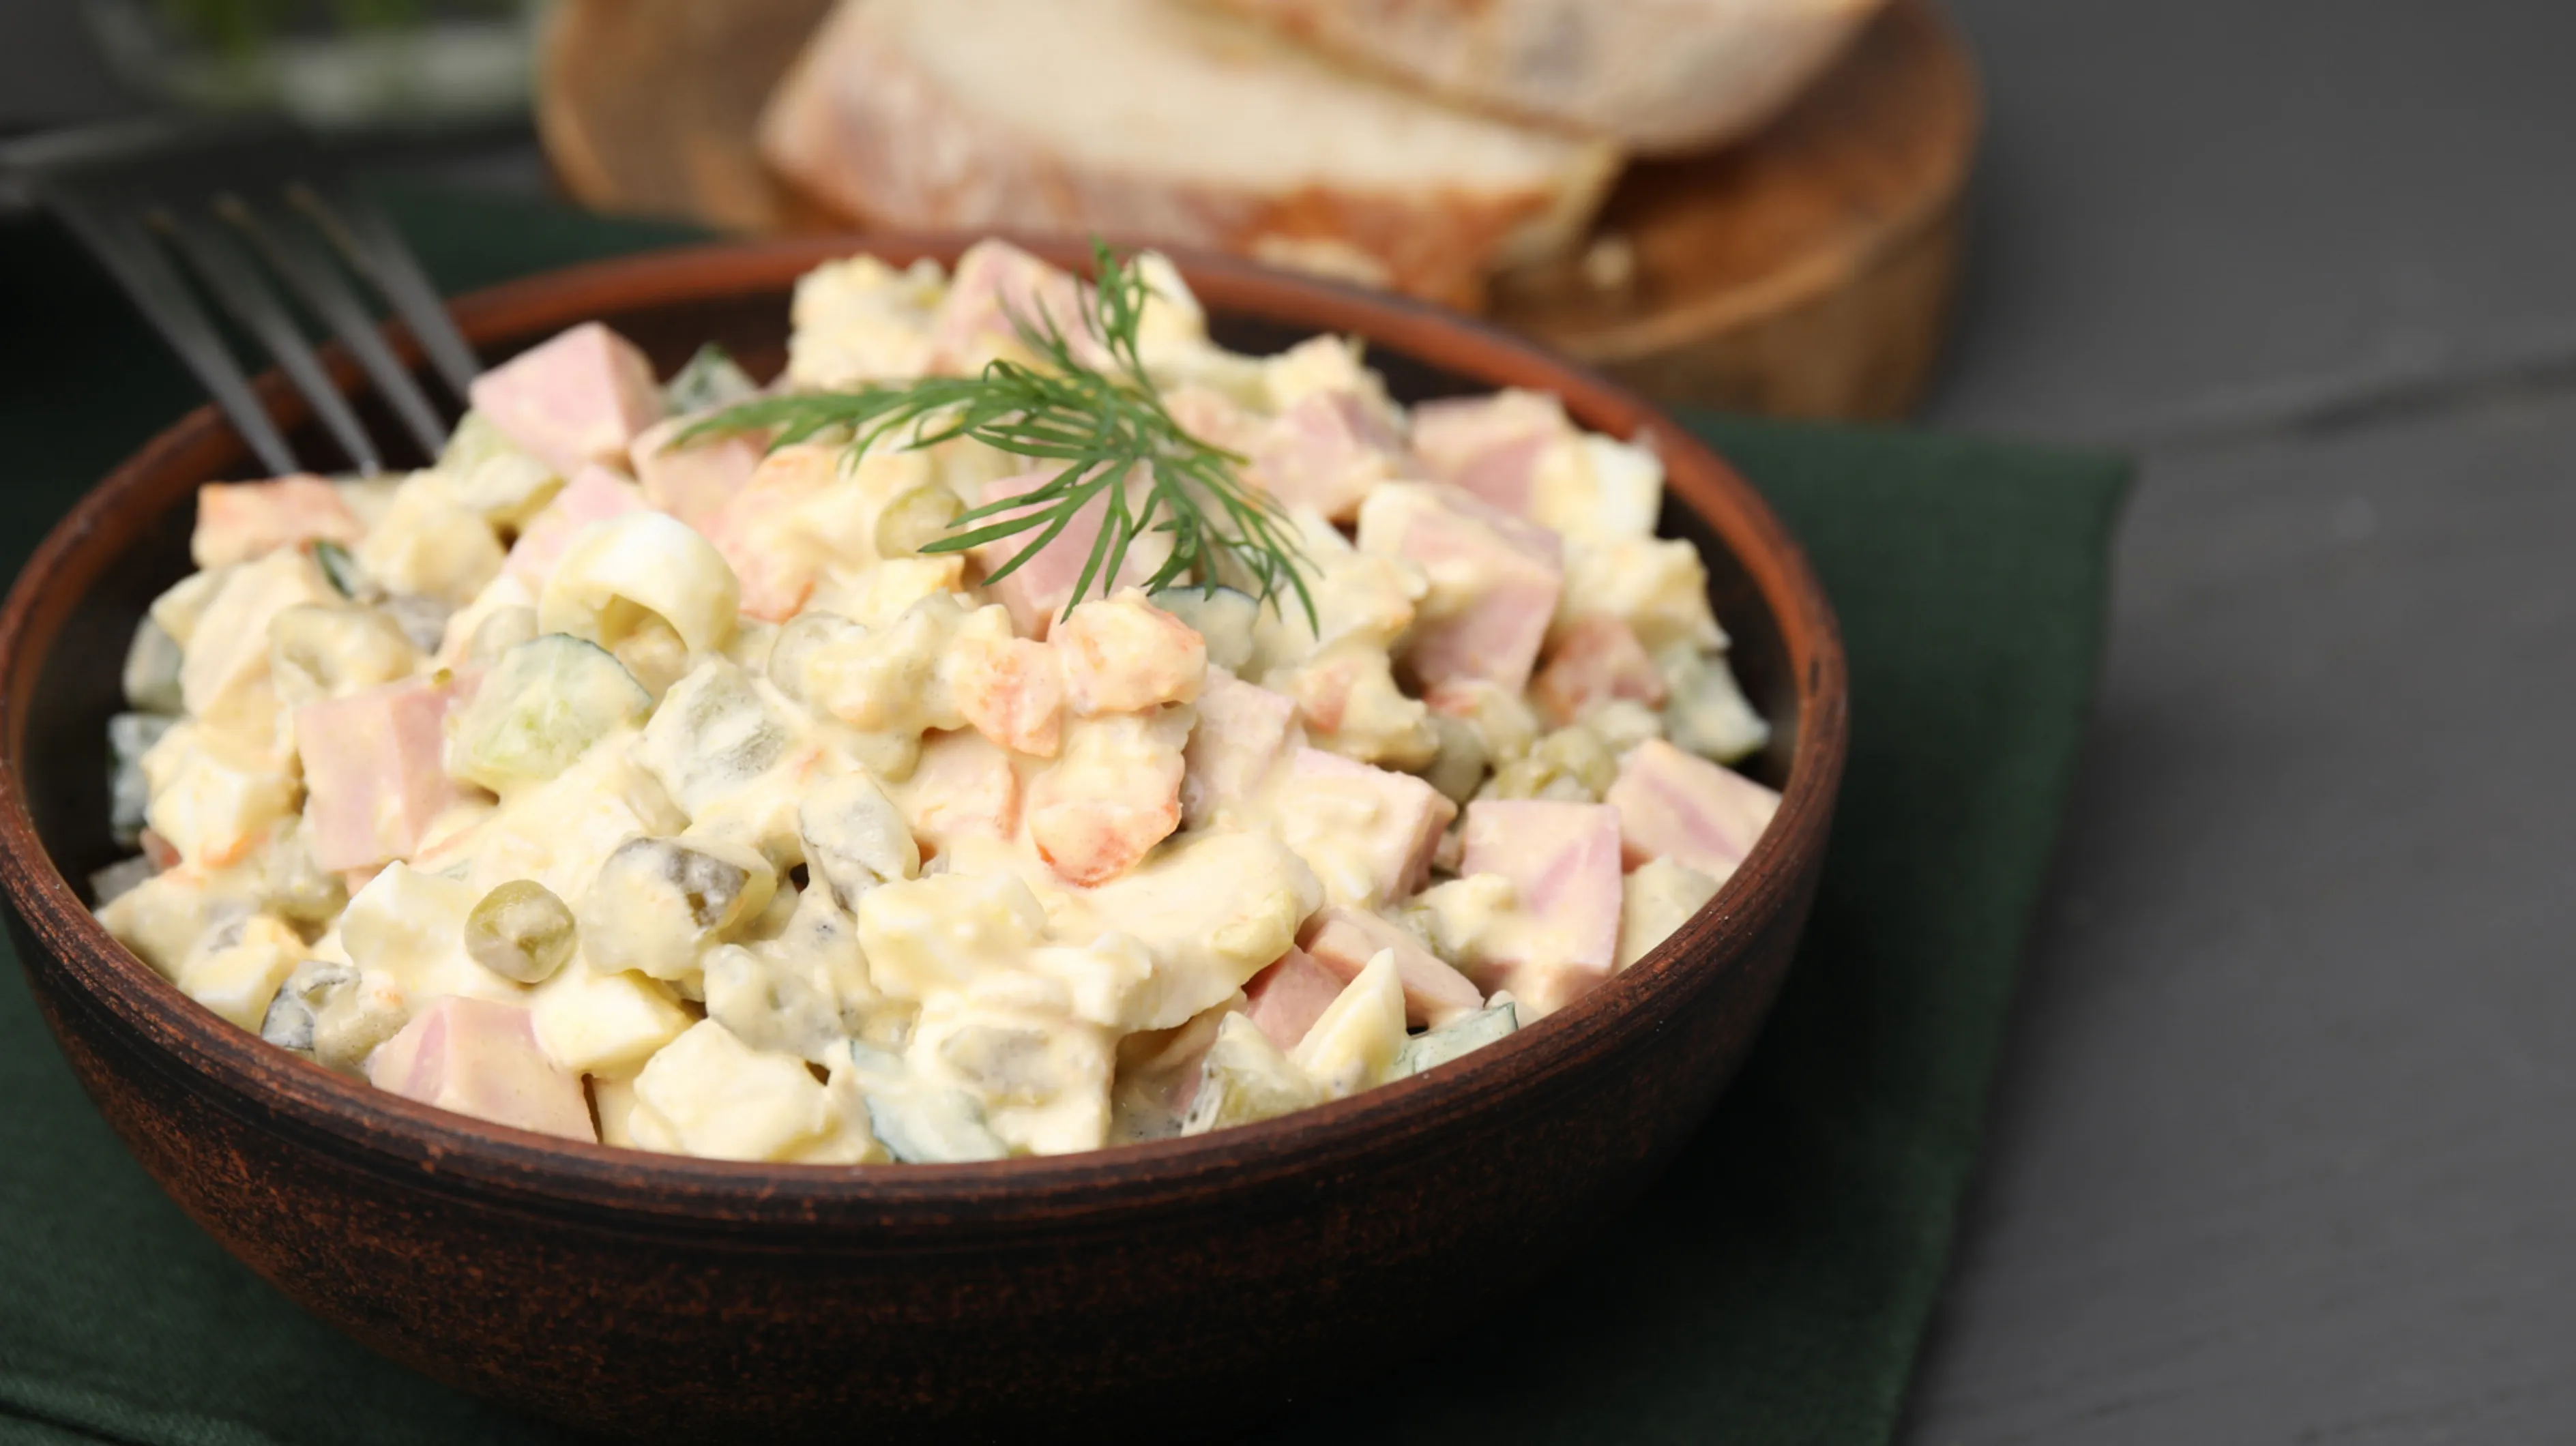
x=646, y=1295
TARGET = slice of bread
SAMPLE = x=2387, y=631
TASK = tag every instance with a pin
x=1658, y=76
x=1156, y=121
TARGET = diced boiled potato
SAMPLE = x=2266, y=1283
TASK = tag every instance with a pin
x=1213, y=910
x=597, y=1023
x=1658, y=586
x=181, y=605
x=929, y=936
x=1246, y=1079
x=1368, y=833
x=480, y=1058
x=225, y=679
x=1661, y=895
x=1109, y=981
x=213, y=798
x=431, y=546
x=151, y=676
x=721, y=1099
x=411, y=926
x=317, y=652
x=239, y=979
x=1352, y=1046
x=1708, y=713
x=859, y=320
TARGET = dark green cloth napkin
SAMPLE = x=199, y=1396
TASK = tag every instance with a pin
x=1773, y=1288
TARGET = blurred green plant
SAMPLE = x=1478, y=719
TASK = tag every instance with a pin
x=241, y=27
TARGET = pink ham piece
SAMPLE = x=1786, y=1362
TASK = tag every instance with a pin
x=1343, y=941
x=1037, y=591
x=1679, y=806
x=1241, y=733
x=480, y=1057
x=1494, y=581
x=1492, y=446
x=1285, y=999
x=997, y=282
x=594, y=494
x=1408, y=815
x=372, y=771
x=238, y=521
x=581, y=397
x=693, y=480
x=1563, y=863
x=1328, y=451
x=1596, y=659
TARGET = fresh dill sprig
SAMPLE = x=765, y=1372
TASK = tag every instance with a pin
x=1103, y=418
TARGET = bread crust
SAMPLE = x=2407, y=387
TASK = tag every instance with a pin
x=861, y=128
x=1657, y=76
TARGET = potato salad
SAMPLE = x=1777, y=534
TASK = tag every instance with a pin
x=702, y=791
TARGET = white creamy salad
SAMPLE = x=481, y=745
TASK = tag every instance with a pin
x=666, y=792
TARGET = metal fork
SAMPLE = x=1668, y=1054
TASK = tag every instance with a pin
x=238, y=204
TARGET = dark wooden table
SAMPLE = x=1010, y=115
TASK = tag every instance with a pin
x=2286, y=1147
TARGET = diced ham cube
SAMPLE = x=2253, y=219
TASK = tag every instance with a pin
x=579, y=398
x=1342, y=815
x=237, y=521
x=963, y=787
x=1124, y=655
x=1343, y=941
x=1328, y=451
x=753, y=532
x=1596, y=659
x=1037, y=591
x=1492, y=445
x=996, y=285
x=1563, y=863
x=1241, y=734
x=1679, y=806
x=1285, y=999
x=693, y=480
x=1494, y=581
x=1011, y=690
x=480, y=1057
x=372, y=771
x=594, y=494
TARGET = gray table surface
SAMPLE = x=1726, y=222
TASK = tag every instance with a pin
x=2281, y=1151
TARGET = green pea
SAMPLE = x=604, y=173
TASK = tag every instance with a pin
x=520, y=931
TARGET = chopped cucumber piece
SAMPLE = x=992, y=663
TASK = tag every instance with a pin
x=295, y=1012
x=920, y=1123
x=1221, y=615
x=1458, y=1037
x=129, y=737
x=708, y=380
x=542, y=706
x=152, y=670
x=1244, y=1079
x=475, y=441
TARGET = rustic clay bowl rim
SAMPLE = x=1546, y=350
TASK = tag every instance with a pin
x=251, y=1078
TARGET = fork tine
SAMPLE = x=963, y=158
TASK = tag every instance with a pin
x=292, y=254
x=148, y=278
x=238, y=285
x=371, y=245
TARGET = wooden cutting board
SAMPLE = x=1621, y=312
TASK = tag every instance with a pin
x=1804, y=272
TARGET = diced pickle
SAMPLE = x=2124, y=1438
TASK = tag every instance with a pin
x=1571, y=764
x=520, y=931
x=712, y=734
x=855, y=838
x=1457, y=1038
x=152, y=670
x=294, y=1014
x=1458, y=769
x=918, y=1122
x=542, y=706
x=709, y=378
x=129, y=737
x=340, y=569
x=1246, y=1079
x=658, y=905
x=422, y=619
x=917, y=517
x=1222, y=616
x=769, y=1007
